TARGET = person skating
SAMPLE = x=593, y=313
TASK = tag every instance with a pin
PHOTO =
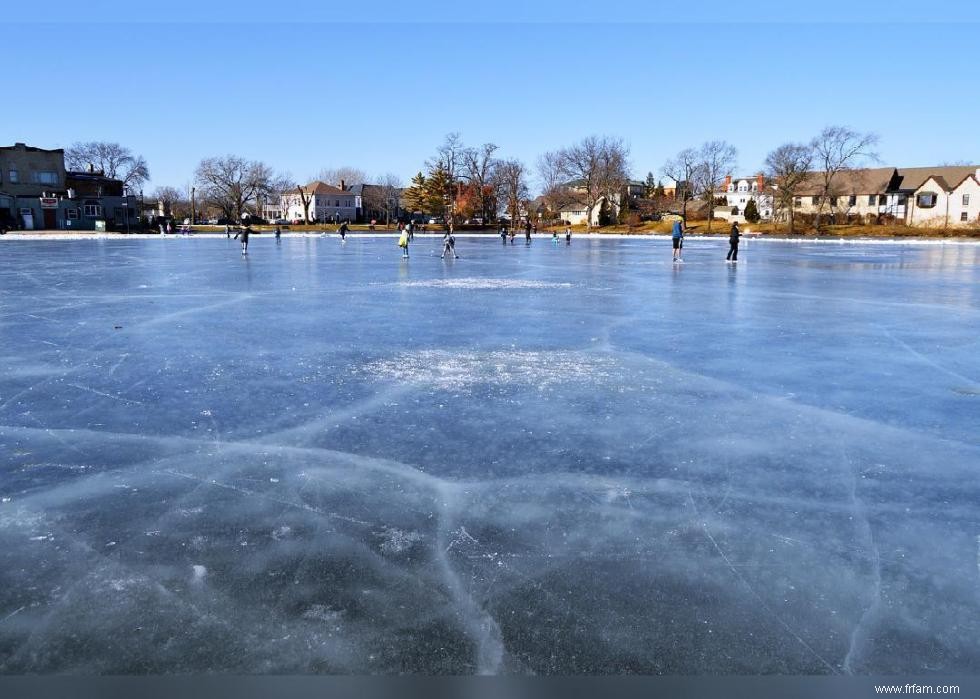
x=278, y=235
x=403, y=241
x=244, y=234
x=411, y=230
x=227, y=231
x=568, y=235
x=527, y=233
x=554, y=237
x=503, y=234
x=733, y=243
x=449, y=244
x=677, y=238
x=343, y=231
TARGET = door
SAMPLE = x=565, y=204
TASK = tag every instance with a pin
x=50, y=221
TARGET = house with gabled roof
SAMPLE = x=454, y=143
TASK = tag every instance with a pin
x=323, y=203
x=939, y=201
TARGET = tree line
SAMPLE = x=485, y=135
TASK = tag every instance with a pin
x=460, y=182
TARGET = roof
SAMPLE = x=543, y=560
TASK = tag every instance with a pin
x=911, y=178
x=32, y=149
x=318, y=187
x=874, y=180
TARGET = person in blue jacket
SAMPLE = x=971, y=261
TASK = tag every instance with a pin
x=677, y=239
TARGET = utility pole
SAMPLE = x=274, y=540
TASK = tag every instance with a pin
x=193, y=216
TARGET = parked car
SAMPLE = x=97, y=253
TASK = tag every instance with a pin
x=281, y=222
x=436, y=220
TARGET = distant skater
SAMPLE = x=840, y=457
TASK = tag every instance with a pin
x=527, y=233
x=278, y=235
x=169, y=228
x=503, y=234
x=677, y=238
x=410, y=227
x=343, y=231
x=568, y=235
x=733, y=243
x=227, y=231
x=244, y=233
x=554, y=237
x=449, y=244
x=513, y=235
x=403, y=242
x=163, y=231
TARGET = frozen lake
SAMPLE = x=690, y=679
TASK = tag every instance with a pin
x=321, y=458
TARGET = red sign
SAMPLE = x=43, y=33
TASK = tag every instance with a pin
x=49, y=203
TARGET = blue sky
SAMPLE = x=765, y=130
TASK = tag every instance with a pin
x=381, y=96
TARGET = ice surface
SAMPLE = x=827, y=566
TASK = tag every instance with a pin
x=544, y=459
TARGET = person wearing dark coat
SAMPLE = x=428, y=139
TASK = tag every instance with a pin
x=733, y=243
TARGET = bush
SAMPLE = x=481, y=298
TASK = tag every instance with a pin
x=752, y=212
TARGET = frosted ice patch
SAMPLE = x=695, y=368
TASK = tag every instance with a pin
x=198, y=573
x=481, y=283
x=321, y=612
x=460, y=370
x=397, y=540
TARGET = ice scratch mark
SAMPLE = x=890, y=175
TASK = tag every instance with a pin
x=12, y=614
x=928, y=360
x=105, y=395
x=745, y=582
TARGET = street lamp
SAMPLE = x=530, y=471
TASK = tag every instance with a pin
x=126, y=207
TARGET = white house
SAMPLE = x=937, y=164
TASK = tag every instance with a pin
x=323, y=202
x=738, y=192
x=937, y=202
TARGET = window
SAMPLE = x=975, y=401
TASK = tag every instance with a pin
x=45, y=177
x=13, y=176
x=871, y=199
x=72, y=214
x=966, y=200
x=798, y=201
x=816, y=201
x=742, y=200
x=963, y=217
x=852, y=200
x=731, y=188
x=833, y=201
x=926, y=200
x=92, y=210
x=337, y=203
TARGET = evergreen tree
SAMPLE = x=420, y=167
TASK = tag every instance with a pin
x=438, y=191
x=651, y=184
x=415, y=194
x=752, y=212
x=659, y=191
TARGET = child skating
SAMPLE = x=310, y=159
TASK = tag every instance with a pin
x=449, y=245
x=403, y=243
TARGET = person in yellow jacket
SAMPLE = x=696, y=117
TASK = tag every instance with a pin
x=403, y=242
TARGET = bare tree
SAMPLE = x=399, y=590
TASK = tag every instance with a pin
x=231, y=183
x=168, y=197
x=838, y=149
x=383, y=197
x=511, y=184
x=113, y=160
x=281, y=188
x=683, y=169
x=715, y=160
x=554, y=191
x=345, y=173
x=479, y=164
x=448, y=164
x=788, y=169
x=598, y=167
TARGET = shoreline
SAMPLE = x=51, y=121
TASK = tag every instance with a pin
x=62, y=236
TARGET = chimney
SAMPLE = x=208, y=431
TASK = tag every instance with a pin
x=728, y=181
x=342, y=187
x=760, y=182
